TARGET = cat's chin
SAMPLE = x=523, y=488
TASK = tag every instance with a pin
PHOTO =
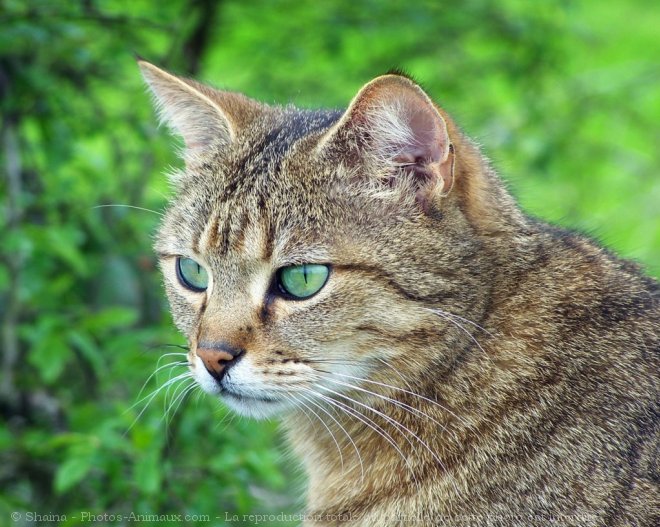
x=256, y=408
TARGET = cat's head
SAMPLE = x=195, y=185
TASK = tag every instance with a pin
x=312, y=254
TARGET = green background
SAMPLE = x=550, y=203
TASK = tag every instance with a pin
x=562, y=95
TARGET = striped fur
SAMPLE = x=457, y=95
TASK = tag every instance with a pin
x=465, y=363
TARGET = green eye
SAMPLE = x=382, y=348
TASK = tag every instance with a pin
x=303, y=281
x=191, y=274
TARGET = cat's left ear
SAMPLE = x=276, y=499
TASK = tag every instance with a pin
x=204, y=117
x=393, y=123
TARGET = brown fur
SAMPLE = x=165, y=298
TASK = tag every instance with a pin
x=473, y=366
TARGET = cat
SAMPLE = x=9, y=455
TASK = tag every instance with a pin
x=437, y=356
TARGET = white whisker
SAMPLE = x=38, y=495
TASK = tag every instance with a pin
x=152, y=395
x=448, y=318
x=158, y=389
x=357, y=451
x=450, y=314
x=174, y=406
x=371, y=424
x=159, y=368
x=397, y=424
x=395, y=402
x=128, y=207
x=377, y=412
x=409, y=392
x=341, y=457
x=405, y=381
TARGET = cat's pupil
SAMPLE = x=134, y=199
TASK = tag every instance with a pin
x=191, y=274
x=298, y=282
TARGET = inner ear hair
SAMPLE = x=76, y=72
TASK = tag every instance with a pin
x=424, y=169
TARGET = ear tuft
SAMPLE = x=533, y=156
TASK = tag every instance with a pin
x=400, y=72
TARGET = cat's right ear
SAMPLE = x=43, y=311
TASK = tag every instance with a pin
x=204, y=117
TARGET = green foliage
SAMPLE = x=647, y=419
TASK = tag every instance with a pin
x=563, y=96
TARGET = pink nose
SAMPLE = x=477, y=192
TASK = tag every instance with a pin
x=218, y=357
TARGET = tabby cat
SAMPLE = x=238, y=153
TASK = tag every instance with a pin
x=437, y=356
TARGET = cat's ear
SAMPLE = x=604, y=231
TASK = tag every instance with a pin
x=202, y=116
x=392, y=122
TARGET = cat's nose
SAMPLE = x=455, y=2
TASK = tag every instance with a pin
x=218, y=357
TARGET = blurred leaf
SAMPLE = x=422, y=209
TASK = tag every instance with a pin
x=4, y=278
x=147, y=474
x=49, y=357
x=88, y=349
x=110, y=318
x=71, y=472
x=65, y=243
x=118, y=283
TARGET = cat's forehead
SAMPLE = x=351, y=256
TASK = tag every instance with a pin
x=262, y=147
x=258, y=226
x=255, y=166
x=257, y=199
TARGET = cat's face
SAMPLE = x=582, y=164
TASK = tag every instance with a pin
x=309, y=254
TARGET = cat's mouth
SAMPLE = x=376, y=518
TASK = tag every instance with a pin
x=252, y=405
x=224, y=392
